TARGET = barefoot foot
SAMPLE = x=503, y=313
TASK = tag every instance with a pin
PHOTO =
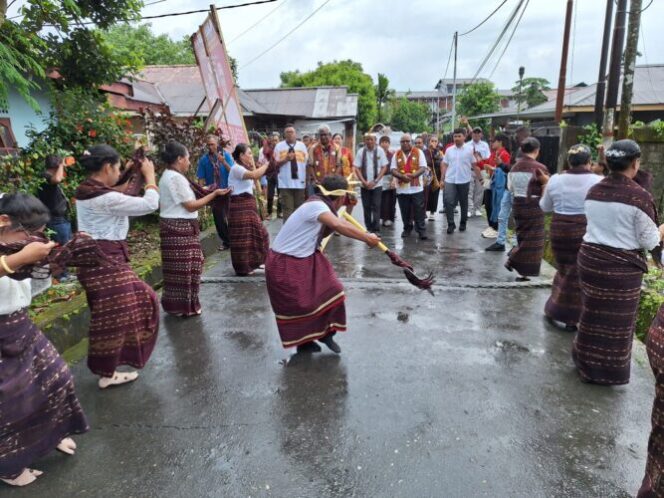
x=28, y=476
x=67, y=446
x=118, y=379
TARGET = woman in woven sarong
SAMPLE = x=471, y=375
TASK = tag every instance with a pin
x=124, y=309
x=525, y=181
x=249, y=239
x=306, y=295
x=181, y=253
x=39, y=409
x=565, y=195
x=611, y=263
x=347, y=167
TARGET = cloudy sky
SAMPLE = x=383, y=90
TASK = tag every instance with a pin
x=409, y=41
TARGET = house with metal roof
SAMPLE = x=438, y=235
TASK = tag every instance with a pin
x=579, y=101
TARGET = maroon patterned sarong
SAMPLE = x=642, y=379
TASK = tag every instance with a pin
x=124, y=311
x=38, y=404
x=526, y=257
x=653, y=483
x=564, y=304
x=306, y=296
x=249, y=238
x=610, y=282
x=182, y=265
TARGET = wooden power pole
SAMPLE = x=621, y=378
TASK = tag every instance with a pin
x=560, y=98
x=614, y=71
x=603, y=60
x=624, y=118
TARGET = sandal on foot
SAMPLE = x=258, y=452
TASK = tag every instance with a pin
x=118, y=379
x=67, y=446
x=26, y=477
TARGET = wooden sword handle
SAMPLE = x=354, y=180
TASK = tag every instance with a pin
x=359, y=226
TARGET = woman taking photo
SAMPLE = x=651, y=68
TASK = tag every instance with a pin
x=124, y=309
x=620, y=226
x=181, y=254
x=39, y=409
x=249, y=239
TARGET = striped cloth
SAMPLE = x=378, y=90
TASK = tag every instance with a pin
x=306, y=296
x=124, y=310
x=611, y=287
x=564, y=304
x=38, y=404
x=182, y=264
x=249, y=238
x=653, y=482
x=526, y=257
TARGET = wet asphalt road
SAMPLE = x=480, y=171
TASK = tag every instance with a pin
x=468, y=393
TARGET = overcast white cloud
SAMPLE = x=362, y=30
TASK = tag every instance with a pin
x=410, y=41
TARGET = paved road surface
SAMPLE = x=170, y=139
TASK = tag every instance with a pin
x=468, y=393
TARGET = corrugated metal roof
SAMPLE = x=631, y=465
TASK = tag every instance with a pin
x=180, y=86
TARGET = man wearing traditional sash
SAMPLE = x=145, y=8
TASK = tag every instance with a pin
x=290, y=157
x=305, y=293
x=408, y=166
x=324, y=159
x=370, y=167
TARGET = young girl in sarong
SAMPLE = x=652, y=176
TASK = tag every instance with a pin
x=181, y=253
x=39, y=409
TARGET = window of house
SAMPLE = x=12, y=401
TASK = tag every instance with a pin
x=7, y=139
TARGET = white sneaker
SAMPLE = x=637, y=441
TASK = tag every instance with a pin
x=388, y=223
x=470, y=214
x=478, y=212
x=490, y=233
x=432, y=217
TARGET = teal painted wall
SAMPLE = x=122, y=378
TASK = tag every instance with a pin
x=23, y=116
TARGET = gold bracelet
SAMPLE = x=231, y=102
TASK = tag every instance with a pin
x=5, y=266
x=151, y=186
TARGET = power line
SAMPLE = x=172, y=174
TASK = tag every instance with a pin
x=174, y=14
x=283, y=2
x=485, y=20
x=449, y=58
x=286, y=35
x=509, y=22
x=518, y=21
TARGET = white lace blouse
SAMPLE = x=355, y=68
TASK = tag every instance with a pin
x=175, y=190
x=106, y=217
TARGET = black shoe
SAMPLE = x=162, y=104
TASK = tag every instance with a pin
x=328, y=340
x=462, y=227
x=423, y=236
x=450, y=229
x=309, y=347
x=405, y=233
x=442, y=211
x=496, y=247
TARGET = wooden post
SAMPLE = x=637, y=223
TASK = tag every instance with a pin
x=633, y=27
x=614, y=71
x=603, y=59
x=560, y=98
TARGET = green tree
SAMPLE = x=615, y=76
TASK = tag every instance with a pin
x=55, y=33
x=531, y=91
x=126, y=40
x=341, y=73
x=478, y=98
x=409, y=116
x=383, y=94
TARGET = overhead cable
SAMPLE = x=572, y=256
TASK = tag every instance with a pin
x=485, y=19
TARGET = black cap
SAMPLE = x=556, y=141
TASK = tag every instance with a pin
x=623, y=148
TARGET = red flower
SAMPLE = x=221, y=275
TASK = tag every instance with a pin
x=92, y=133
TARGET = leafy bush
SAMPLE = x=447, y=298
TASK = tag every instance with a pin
x=592, y=138
x=651, y=299
x=79, y=119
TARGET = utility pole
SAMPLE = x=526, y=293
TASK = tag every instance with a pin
x=440, y=83
x=560, y=98
x=614, y=71
x=454, y=91
x=522, y=71
x=604, y=57
x=633, y=27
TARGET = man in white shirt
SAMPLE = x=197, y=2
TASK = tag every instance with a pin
x=408, y=166
x=290, y=157
x=459, y=165
x=481, y=151
x=370, y=168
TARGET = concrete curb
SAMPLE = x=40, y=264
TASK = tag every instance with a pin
x=68, y=325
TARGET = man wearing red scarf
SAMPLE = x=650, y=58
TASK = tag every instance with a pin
x=324, y=158
x=408, y=166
